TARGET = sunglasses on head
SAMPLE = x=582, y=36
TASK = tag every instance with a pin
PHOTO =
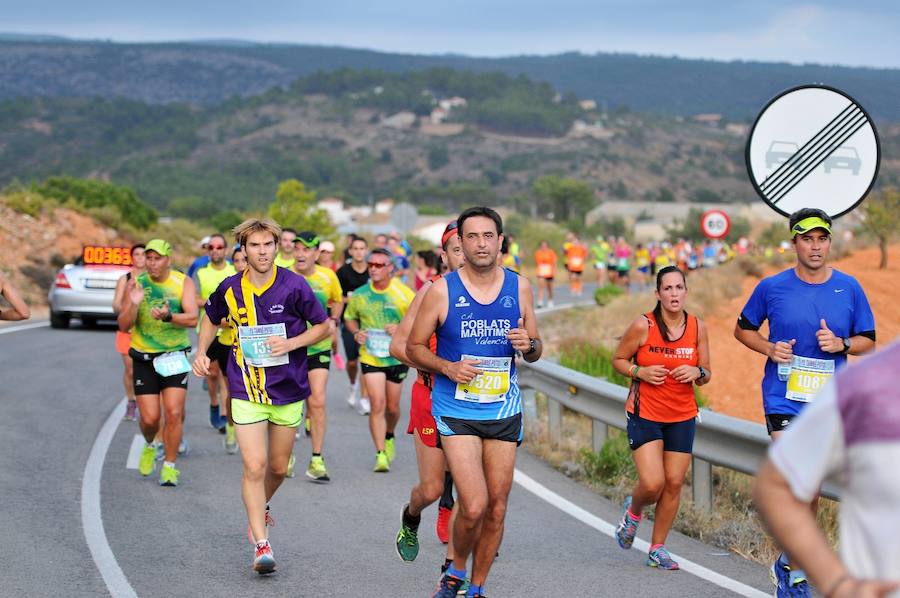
x=376, y=265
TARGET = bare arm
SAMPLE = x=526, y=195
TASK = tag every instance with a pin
x=634, y=337
x=119, y=295
x=792, y=524
x=128, y=313
x=780, y=352
x=205, y=338
x=18, y=309
x=704, y=354
x=188, y=317
x=401, y=335
x=527, y=328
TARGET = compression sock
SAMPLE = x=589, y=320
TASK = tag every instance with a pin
x=447, y=497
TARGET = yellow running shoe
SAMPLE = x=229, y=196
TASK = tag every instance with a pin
x=148, y=460
x=390, y=449
x=290, y=469
x=168, y=476
x=316, y=470
x=382, y=463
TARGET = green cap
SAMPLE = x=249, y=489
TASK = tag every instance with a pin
x=159, y=246
x=308, y=239
x=808, y=224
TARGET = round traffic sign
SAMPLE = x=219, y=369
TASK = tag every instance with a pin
x=715, y=224
x=813, y=146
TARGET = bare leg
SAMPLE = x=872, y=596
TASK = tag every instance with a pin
x=377, y=396
x=499, y=459
x=148, y=406
x=675, y=465
x=254, y=452
x=464, y=455
x=315, y=404
x=392, y=405
x=281, y=445
x=648, y=460
x=128, y=378
x=173, y=405
x=431, y=477
x=212, y=383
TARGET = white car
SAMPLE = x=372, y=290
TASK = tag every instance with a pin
x=85, y=290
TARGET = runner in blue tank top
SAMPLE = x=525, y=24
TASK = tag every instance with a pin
x=482, y=316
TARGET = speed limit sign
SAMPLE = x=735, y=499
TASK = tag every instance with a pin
x=715, y=224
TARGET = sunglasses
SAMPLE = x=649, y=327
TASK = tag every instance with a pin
x=376, y=265
x=216, y=246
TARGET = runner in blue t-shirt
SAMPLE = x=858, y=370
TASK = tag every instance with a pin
x=482, y=316
x=817, y=316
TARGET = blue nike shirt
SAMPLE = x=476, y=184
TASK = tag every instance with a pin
x=794, y=309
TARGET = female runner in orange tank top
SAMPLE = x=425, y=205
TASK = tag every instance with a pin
x=665, y=352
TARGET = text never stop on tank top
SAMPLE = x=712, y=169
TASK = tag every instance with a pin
x=478, y=331
x=672, y=401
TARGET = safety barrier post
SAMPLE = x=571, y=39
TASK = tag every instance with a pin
x=599, y=434
x=554, y=420
x=702, y=483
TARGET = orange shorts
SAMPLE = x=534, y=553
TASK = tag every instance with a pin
x=123, y=342
x=420, y=419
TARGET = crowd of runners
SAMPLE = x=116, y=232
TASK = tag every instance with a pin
x=273, y=309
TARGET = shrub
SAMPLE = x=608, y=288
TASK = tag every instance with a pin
x=605, y=294
x=593, y=360
x=611, y=463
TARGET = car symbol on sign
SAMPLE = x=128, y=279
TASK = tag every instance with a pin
x=844, y=157
x=780, y=151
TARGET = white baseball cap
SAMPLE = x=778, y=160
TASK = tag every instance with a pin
x=204, y=241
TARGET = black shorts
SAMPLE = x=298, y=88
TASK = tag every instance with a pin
x=677, y=437
x=778, y=422
x=147, y=381
x=319, y=361
x=575, y=272
x=219, y=353
x=508, y=429
x=394, y=373
x=351, y=347
x=549, y=279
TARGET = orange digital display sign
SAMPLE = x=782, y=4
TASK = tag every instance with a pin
x=95, y=255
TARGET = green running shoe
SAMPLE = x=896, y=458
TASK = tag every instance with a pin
x=389, y=449
x=148, y=460
x=407, y=542
x=290, y=469
x=316, y=470
x=168, y=476
x=382, y=463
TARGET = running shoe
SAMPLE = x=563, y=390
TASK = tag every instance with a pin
x=213, y=415
x=230, y=440
x=183, y=447
x=389, y=449
x=351, y=397
x=316, y=470
x=661, y=559
x=168, y=476
x=627, y=526
x=442, y=526
x=264, y=560
x=407, y=542
x=131, y=411
x=148, y=460
x=363, y=407
x=290, y=468
x=382, y=463
x=450, y=587
x=787, y=583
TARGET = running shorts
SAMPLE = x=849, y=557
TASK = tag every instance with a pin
x=219, y=353
x=778, y=422
x=351, y=347
x=508, y=429
x=677, y=437
x=599, y=265
x=147, y=381
x=420, y=419
x=394, y=373
x=123, y=342
x=245, y=412
x=578, y=272
x=319, y=361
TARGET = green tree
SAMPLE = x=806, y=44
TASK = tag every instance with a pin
x=295, y=207
x=567, y=198
x=91, y=193
x=881, y=218
x=192, y=208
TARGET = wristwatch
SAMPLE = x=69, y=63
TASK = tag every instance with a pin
x=532, y=348
x=168, y=317
x=846, y=342
x=703, y=373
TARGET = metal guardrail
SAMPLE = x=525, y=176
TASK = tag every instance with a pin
x=720, y=440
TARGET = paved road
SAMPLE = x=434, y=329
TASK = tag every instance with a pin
x=330, y=540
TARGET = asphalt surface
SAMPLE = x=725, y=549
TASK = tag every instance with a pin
x=329, y=540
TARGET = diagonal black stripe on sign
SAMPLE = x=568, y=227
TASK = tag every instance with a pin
x=815, y=157
x=863, y=122
x=811, y=151
x=811, y=145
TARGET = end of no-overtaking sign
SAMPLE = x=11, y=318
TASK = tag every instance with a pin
x=813, y=146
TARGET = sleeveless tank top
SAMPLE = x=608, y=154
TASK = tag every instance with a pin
x=672, y=401
x=479, y=331
x=150, y=335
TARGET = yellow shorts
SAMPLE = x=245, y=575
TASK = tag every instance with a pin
x=247, y=412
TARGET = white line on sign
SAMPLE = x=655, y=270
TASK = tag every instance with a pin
x=134, y=452
x=92, y=518
x=608, y=529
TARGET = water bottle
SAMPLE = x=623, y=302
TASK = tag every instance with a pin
x=784, y=371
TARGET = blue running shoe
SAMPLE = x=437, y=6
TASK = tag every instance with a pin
x=788, y=584
x=449, y=587
x=661, y=559
x=627, y=528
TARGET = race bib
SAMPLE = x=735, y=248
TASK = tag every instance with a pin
x=808, y=375
x=378, y=343
x=577, y=262
x=545, y=270
x=171, y=364
x=256, y=350
x=491, y=386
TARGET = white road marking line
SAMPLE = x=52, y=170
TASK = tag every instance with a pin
x=29, y=326
x=134, y=453
x=91, y=517
x=608, y=529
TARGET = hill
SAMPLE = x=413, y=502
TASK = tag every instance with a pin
x=210, y=72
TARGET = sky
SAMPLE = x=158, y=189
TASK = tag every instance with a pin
x=857, y=33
